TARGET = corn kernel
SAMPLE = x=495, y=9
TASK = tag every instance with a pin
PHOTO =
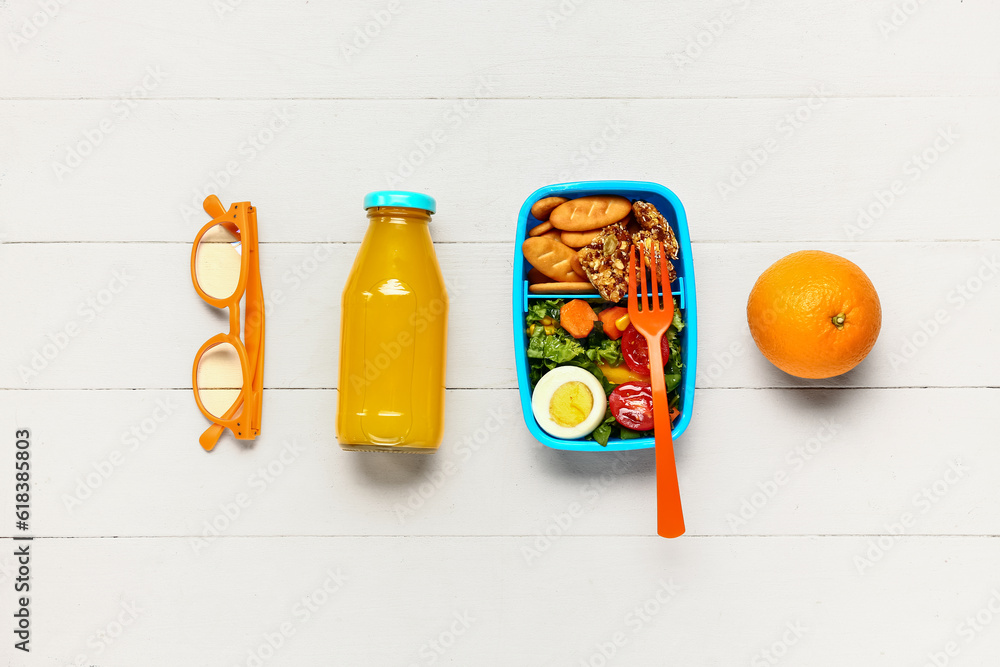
x=622, y=322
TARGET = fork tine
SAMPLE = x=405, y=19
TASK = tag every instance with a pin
x=633, y=304
x=665, y=276
x=642, y=279
x=654, y=288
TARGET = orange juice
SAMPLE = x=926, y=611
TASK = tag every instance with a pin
x=393, y=328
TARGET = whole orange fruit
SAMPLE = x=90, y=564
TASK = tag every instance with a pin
x=814, y=314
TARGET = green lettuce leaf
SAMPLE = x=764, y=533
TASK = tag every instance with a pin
x=543, y=308
x=558, y=347
x=602, y=433
x=606, y=352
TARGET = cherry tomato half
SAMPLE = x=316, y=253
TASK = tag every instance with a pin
x=635, y=350
x=632, y=405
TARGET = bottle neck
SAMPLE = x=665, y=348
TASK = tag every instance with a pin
x=398, y=215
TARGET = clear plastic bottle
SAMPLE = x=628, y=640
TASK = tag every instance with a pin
x=393, y=332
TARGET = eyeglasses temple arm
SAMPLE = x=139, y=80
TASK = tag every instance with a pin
x=212, y=434
x=216, y=210
x=210, y=437
x=254, y=334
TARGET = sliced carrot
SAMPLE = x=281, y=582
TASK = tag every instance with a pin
x=608, y=317
x=674, y=414
x=577, y=317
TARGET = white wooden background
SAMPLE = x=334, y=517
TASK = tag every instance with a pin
x=496, y=550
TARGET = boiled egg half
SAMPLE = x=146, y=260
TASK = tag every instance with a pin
x=569, y=402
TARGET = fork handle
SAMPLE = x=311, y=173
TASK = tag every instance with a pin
x=669, y=515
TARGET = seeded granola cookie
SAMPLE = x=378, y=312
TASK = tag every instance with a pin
x=654, y=228
x=605, y=261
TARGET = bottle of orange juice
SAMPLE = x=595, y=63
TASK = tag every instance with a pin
x=394, y=321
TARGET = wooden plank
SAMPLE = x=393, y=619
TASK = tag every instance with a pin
x=783, y=462
x=747, y=170
x=558, y=49
x=464, y=601
x=935, y=296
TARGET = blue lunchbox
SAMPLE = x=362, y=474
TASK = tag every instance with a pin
x=672, y=209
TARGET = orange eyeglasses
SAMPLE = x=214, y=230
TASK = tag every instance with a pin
x=228, y=375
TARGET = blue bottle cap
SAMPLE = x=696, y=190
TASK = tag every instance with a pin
x=400, y=198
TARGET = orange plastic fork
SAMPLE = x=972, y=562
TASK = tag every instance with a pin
x=652, y=322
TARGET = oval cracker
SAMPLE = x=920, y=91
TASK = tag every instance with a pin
x=538, y=230
x=578, y=239
x=542, y=208
x=586, y=213
x=551, y=257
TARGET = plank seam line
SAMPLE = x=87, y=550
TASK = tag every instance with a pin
x=351, y=243
x=524, y=98
x=769, y=388
x=513, y=388
x=524, y=536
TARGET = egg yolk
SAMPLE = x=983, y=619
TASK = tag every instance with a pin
x=571, y=403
